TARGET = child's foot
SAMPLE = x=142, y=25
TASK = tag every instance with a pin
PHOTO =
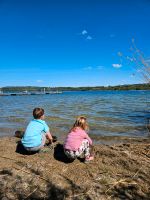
x=88, y=159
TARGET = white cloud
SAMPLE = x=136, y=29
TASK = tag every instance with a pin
x=93, y=68
x=117, y=66
x=89, y=37
x=84, y=32
x=88, y=68
x=85, y=35
x=100, y=67
x=39, y=81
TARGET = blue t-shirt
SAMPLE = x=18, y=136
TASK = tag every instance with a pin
x=33, y=133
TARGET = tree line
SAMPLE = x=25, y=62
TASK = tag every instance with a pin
x=145, y=86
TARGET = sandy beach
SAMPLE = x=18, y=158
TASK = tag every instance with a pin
x=120, y=170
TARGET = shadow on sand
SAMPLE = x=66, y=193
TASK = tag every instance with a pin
x=60, y=155
x=21, y=150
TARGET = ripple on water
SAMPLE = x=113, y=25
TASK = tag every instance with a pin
x=108, y=113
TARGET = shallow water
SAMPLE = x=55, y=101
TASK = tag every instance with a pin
x=109, y=113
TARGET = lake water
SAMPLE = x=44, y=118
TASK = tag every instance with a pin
x=109, y=113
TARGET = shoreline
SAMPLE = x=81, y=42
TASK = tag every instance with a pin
x=119, y=171
x=103, y=139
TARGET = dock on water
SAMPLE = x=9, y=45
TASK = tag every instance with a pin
x=30, y=93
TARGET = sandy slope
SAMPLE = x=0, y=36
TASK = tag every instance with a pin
x=120, y=171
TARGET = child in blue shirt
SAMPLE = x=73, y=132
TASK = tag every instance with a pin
x=37, y=131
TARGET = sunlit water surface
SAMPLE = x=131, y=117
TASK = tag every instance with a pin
x=109, y=113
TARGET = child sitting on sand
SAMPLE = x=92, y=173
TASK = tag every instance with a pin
x=78, y=142
x=36, y=133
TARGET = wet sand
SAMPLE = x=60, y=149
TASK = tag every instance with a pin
x=120, y=170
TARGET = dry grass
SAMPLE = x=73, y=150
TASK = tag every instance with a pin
x=118, y=172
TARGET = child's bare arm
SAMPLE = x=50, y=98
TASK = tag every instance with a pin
x=49, y=136
x=88, y=138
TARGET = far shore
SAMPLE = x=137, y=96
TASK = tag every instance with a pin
x=48, y=89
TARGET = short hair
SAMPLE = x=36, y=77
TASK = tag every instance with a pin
x=38, y=112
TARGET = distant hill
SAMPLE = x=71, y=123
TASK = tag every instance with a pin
x=95, y=88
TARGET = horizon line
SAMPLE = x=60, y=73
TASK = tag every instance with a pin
x=74, y=86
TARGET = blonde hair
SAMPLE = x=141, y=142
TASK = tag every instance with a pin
x=81, y=123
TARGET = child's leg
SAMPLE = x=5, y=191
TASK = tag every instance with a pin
x=70, y=154
x=84, y=149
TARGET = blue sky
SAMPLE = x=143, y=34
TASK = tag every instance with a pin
x=71, y=42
